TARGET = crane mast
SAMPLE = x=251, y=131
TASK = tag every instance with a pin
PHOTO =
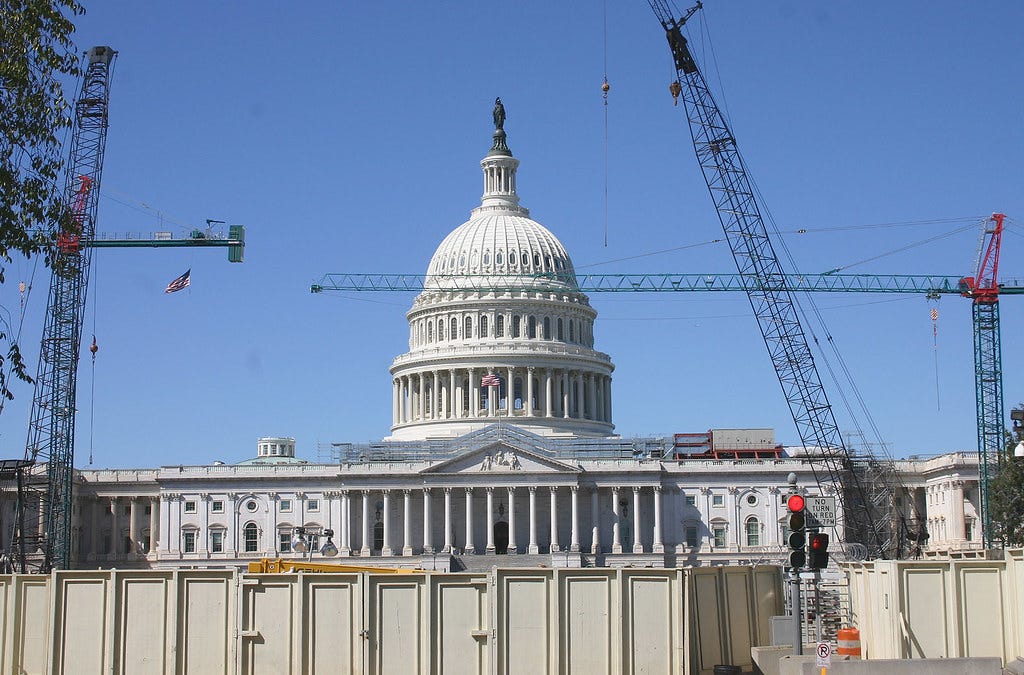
x=51, y=434
x=984, y=290
x=868, y=506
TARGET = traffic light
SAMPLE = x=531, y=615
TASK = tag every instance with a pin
x=797, y=537
x=819, y=550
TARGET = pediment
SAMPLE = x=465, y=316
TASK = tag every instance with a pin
x=501, y=457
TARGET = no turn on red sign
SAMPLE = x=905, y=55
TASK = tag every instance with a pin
x=821, y=511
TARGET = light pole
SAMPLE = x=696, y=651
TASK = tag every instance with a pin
x=300, y=544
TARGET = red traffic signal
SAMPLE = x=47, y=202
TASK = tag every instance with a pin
x=796, y=505
x=818, y=549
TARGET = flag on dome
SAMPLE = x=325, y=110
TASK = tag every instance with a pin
x=179, y=283
x=490, y=380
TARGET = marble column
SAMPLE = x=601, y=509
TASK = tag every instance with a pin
x=554, y=519
x=490, y=519
x=453, y=398
x=638, y=547
x=421, y=412
x=115, y=534
x=365, y=543
x=492, y=401
x=529, y=391
x=565, y=395
x=386, y=550
x=513, y=547
x=345, y=528
x=395, y=399
x=532, y=547
x=95, y=533
x=154, y=524
x=548, y=392
x=469, y=549
x=474, y=397
x=595, y=519
x=447, y=520
x=616, y=538
x=574, y=544
x=407, y=523
x=135, y=529
x=657, y=546
x=428, y=539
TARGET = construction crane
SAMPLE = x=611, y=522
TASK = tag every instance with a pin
x=986, y=330
x=51, y=433
x=52, y=422
x=865, y=486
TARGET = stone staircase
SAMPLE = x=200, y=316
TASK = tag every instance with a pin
x=484, y=562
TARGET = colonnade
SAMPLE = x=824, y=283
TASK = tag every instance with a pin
x=106, y=515
x=446, y=496
x=524, y=392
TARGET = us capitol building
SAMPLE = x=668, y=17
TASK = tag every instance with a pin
x=502, y=449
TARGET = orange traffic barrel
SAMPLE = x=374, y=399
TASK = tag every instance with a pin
x=849, y=642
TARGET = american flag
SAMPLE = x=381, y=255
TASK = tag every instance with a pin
x=179, y=283
x=490, y=380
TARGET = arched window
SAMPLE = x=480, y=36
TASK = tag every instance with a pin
x=454, y=335
x=483, y=326
x=430, y=332
x=499, y=258
x=561, y=333
x=440, y=330
x=251, y=538
x=547, y=328
x=536, y=260
x=378, y=536
x=499, y=326
x=531, y=327
x=753, y=531
x=516, y=326
x=572, y=331
x=487, y=257
x=525, y=258
x=467, y=330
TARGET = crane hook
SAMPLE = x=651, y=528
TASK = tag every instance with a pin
x=676, y=89
x=94, y=348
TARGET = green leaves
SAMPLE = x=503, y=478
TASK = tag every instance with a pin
x=1006, y=495
x=37, y=57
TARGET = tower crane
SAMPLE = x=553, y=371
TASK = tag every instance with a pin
x=51, y=433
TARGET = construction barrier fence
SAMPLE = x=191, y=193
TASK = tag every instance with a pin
x=940, y=608
x=510, y=620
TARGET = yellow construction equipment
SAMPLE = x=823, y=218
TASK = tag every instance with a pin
x=283, y=566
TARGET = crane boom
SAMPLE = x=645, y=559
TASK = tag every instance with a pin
x=51, y=431
x=868, y=504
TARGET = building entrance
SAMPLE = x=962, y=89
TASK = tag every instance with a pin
x=501, y=538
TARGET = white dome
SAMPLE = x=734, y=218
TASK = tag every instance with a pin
x=502, y=244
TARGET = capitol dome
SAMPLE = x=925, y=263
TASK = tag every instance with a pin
x=501, y=332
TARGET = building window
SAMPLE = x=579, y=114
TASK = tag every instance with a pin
x=719, y=533
x=251, y=505
x=251, y=535
x=286, y=506
x=188, y=541
x=217, y=506
x=467, y=330
x=190, y=507
x=149, y=510
x=531, y=327
x=516, y=326
x=691, y=500
x=691, y=535
x=969, y=530
x=752, y=500
x=547, y=328
x=284, y=541
x=483, y=326
x=753, y=532
x=313, y=505
x=216, y=541
x=499, y=326
x=572, y=331
x=147, y=541
x=717, y=500
x=454, y=335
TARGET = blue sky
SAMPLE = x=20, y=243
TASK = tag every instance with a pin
x=346, y=137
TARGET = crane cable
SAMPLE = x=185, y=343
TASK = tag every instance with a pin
x=605, y=87
x=93, y=348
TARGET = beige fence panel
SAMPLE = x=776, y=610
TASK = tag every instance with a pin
x=460, y=620
x=397, y=619
x=27, y=624
x=332, y=624
x=143, y=622
x=204, y=621
x=652, y=621
x=939, y=609
x=526, y=628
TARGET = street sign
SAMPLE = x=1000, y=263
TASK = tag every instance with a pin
x=823, y=655
x=821, y=511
